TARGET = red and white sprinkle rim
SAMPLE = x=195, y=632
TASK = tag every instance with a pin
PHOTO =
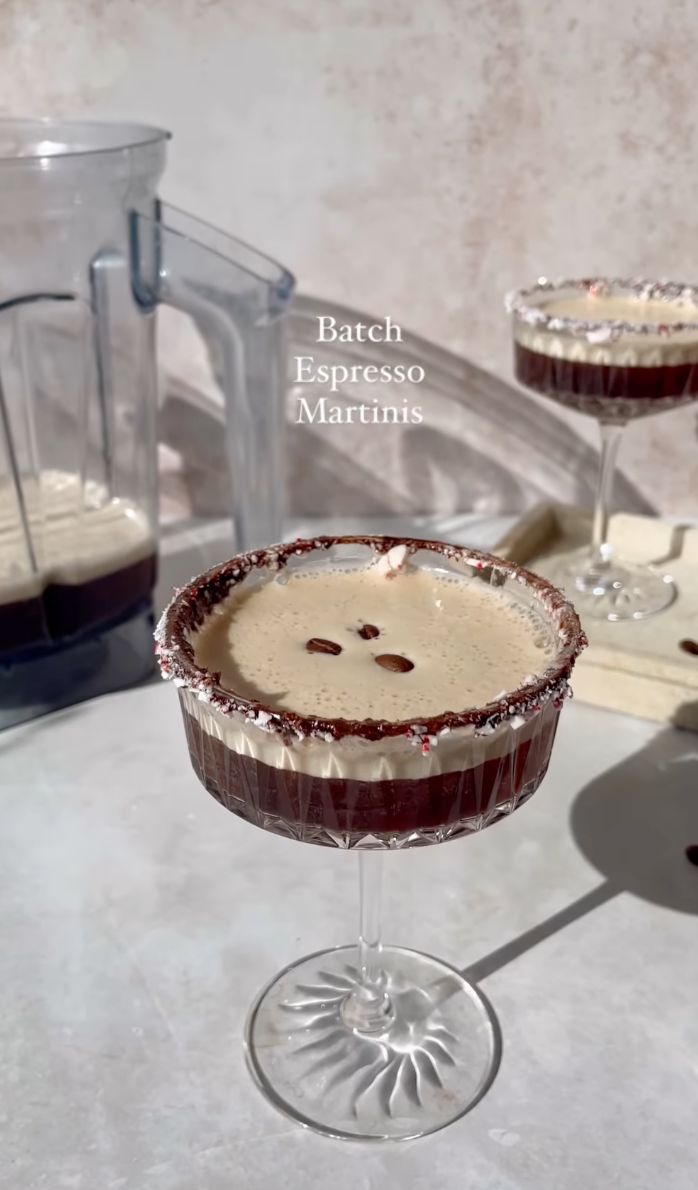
x=528, y=305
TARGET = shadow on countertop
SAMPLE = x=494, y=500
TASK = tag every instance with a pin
x=633, y=823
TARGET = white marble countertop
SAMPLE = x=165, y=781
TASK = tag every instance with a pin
x=138, y=920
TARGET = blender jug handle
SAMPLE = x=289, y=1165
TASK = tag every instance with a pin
x=238, y=300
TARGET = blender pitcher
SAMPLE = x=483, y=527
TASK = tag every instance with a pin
x=87, y=251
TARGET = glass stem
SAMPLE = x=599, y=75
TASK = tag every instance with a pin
x=368, y=1008
x=600, y=548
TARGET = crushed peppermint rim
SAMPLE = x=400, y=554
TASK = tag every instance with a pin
x=525, y=305
x=193, y=603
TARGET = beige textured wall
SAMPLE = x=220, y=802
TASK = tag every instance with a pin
x=416, y=159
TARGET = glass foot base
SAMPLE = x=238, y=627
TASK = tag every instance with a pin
x=428, y=1065
x=621, y=592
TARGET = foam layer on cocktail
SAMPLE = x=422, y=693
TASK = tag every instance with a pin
x=637, y=333
x=363, y=644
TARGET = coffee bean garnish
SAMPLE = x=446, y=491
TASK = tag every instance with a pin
x=392, y=661
x=317, y=644
x=689, y=646
x=369, y=632
x=692, y=854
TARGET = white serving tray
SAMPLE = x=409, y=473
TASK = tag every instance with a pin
x=634, y=666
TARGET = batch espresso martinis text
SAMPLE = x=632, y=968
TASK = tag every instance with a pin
x=318, y=409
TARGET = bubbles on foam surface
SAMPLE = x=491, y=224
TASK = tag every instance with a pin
x=466, y=640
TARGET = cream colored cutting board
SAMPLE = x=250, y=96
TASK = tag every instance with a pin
x=635, y=666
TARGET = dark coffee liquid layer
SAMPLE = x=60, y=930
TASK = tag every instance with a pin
x=578, y=383
x=66, y=609
x=305, y=806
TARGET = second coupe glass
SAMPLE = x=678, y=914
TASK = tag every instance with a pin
x=616, y=350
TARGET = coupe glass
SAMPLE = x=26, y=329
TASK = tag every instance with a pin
x=370, y=1041
x=637, y=354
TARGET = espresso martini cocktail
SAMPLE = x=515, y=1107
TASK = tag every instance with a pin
x=370, y=693
x=616, y=350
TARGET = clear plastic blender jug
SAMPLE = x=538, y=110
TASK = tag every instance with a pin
x=87, y=252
